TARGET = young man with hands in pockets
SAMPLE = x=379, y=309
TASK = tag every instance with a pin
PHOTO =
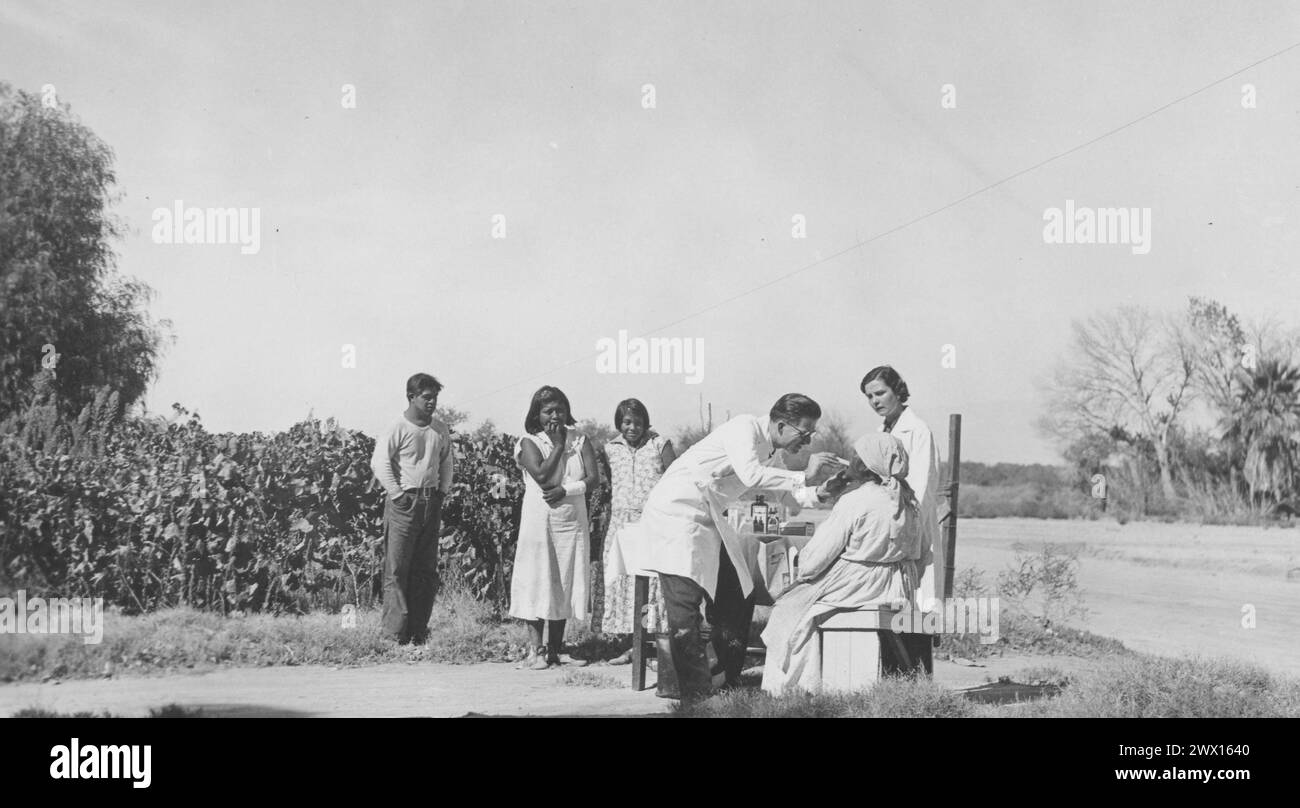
x=413, y=460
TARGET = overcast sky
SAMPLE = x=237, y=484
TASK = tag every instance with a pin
x=377, y=221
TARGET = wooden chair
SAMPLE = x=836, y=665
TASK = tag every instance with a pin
x=640, y=598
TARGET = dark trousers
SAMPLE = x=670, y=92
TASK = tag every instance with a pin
x=729, y=615
x=410, y=566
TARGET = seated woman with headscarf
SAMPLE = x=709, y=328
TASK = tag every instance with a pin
x=865, y=554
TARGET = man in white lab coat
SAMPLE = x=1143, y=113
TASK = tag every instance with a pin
x=697, y=552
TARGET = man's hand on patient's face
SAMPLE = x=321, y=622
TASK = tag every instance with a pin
x=821, y=466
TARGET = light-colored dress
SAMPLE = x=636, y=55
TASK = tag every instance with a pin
x=864, y=554
x=551, y=572
x=633, y=472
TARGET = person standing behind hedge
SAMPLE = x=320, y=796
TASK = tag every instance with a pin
x=550, y=580
x=414, y=461
x=636, y=459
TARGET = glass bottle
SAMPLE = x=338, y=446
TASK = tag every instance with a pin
x=758, y=515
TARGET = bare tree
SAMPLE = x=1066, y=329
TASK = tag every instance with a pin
x=1129, y=374
x=1221, y=346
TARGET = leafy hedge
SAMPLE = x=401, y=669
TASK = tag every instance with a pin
x=148, y=513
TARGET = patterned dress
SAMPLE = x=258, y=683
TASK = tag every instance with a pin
x=633, y=472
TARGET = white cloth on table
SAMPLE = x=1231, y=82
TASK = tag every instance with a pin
x=551, y=573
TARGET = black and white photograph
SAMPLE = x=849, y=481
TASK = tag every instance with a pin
x=822, y=359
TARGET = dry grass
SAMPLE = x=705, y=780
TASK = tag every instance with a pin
x=1135, y=686
x=1143, y=686
x=1021, y=635
x=891, y=698
x=462, y=631
x=586, y=678
x=168, y=711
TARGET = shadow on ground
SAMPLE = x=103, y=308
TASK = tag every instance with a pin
x=661, y=715
x=181, y=711
x=1009, y=692
x=243, y=711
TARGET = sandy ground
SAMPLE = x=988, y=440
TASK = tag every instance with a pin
x=1165, y=589
x=394, y=690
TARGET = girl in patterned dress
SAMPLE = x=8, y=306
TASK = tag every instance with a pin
x=635, y=460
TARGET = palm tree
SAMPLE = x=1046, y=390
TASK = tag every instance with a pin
x=1266, y=426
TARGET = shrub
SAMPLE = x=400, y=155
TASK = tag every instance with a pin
x=148, y=513
x=1030, y=630
x=1044, y=585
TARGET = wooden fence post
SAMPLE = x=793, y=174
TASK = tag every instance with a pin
x=954, y=483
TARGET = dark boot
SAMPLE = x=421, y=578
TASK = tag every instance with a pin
x=667, y=672
x=685, y=673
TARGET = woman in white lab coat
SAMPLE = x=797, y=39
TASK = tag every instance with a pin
x=887, y=394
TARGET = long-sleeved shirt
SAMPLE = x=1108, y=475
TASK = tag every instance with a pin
x=410, y=456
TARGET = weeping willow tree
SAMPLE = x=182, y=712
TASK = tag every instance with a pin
x=70, y=324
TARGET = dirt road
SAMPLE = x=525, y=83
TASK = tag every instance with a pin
x=394, y=690
x=1165, y=589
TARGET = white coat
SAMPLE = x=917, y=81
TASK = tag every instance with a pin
x=682, y=519
x=923, y=477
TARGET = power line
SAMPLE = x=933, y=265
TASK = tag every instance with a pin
x=908, y=223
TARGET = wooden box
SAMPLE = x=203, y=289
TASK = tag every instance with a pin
x=852, y=648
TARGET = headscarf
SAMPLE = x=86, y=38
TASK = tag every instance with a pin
x=884, y=455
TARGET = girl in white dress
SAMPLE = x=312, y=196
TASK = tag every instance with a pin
x=551, y=573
